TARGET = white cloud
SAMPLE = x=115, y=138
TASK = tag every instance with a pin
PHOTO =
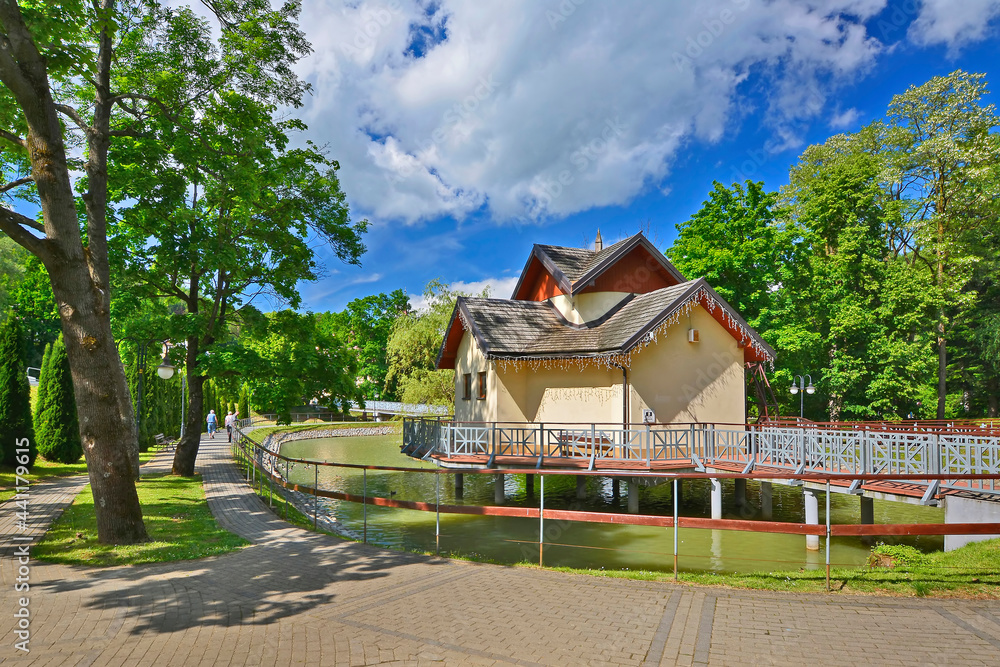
x=529, y=109
x=499, y=288
x=954, y=24
x=845, y=119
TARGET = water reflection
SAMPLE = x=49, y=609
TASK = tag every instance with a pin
x=576, y=544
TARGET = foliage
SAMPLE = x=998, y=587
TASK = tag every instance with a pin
x=895, y=556
x=34, y=303
x=412, y=350
x=57, y=427
x=15, y=397
x=295, y=361
x=181, y=527
x=365, y=326
x=873, y=270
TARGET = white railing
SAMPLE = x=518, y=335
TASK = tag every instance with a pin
x=812, y=450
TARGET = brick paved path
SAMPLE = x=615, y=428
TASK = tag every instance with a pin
x=299, y=598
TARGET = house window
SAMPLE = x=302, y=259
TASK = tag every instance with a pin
x=482, y=385
x=467, y=394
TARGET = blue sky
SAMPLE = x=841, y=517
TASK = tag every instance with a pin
x=454, y=121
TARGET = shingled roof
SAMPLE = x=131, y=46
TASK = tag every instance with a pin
x=508, y=329
x=574, y=268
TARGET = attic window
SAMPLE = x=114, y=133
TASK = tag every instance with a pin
x=467, y=394
x=482, y=385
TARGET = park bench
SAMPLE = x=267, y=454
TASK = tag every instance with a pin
x=163, y=441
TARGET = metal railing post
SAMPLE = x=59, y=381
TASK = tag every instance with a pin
x=675, y=528
x=286, y=495
x=437, y=514
x=364, y=505
x=316, y=497
x=541, y=521
x=828, y=534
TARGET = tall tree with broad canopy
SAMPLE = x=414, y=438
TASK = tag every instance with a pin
x=213, y=206
x=77, y=76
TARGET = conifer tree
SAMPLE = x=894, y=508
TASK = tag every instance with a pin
x=42, y=385
x=15, y=395
x=58, y=428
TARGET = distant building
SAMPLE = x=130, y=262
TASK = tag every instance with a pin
x=609, y=335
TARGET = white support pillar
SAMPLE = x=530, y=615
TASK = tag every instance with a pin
x=581, y=487
x=633, y=497
x=812, y=517
x=766, y=511
x=498, y=493
x=716, y=498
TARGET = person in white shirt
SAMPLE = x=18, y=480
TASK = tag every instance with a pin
x=230, y=422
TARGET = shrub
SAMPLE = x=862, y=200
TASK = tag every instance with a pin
x=57, y=428
x=15, y=394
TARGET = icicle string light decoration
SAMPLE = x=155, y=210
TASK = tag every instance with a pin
x=612, y=360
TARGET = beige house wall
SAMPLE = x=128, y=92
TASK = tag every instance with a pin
x=690, y=382
x=587, y=307
x=680, y=381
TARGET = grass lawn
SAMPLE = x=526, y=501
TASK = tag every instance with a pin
x=176, y=515
x=45, y=469
x=970, y=572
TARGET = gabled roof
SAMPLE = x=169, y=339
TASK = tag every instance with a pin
x=574, y=269
x=508, y=329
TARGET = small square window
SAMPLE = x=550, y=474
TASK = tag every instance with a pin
x=482, y=385
x=467, y=378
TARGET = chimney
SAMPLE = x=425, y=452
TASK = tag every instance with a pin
x=598, y=242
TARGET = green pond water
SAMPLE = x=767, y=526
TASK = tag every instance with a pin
x=578, y=544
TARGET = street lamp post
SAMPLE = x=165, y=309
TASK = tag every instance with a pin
x=165, y=370
x=801, y=388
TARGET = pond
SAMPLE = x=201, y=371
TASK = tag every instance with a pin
x=586, y=545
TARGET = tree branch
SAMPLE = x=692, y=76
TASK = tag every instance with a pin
x=13, y=224
x=16, y=184
x=13, y=138
x=73, y=115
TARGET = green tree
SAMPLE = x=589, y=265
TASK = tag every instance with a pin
x=43, y=371
x=942, y=166
x=413, y=350
x=57, y=428
x=15, y=397
x=295, y=362
x=365, y=325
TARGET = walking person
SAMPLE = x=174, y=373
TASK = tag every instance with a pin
x=230, y=423
x=213, y=423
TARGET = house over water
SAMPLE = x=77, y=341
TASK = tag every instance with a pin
x=609, y=335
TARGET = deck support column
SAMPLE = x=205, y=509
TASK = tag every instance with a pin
x=716, y=498
x=812, y=517
x=615, y=490
x=498, y=494
x=633, y=496
x=529, y=485
x=581, y=487
x=766, y=511
x=741, y=492
x=867, y=510
x=459, y=485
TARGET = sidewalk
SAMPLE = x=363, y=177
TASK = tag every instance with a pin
x=296, y=597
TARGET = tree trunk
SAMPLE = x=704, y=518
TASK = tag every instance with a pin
x=942, y=388
x=187, y=448
x=992, y=407
x=103, y=403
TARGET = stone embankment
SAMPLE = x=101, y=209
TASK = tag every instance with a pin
x=274, y=441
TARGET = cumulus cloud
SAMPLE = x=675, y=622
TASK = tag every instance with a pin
x=527, y=109
x=845, y=119
x=953, y=24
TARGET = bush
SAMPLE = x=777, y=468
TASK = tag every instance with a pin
x=57, y=427
x=895, y=556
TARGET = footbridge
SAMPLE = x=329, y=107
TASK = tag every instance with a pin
x=904, y=461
